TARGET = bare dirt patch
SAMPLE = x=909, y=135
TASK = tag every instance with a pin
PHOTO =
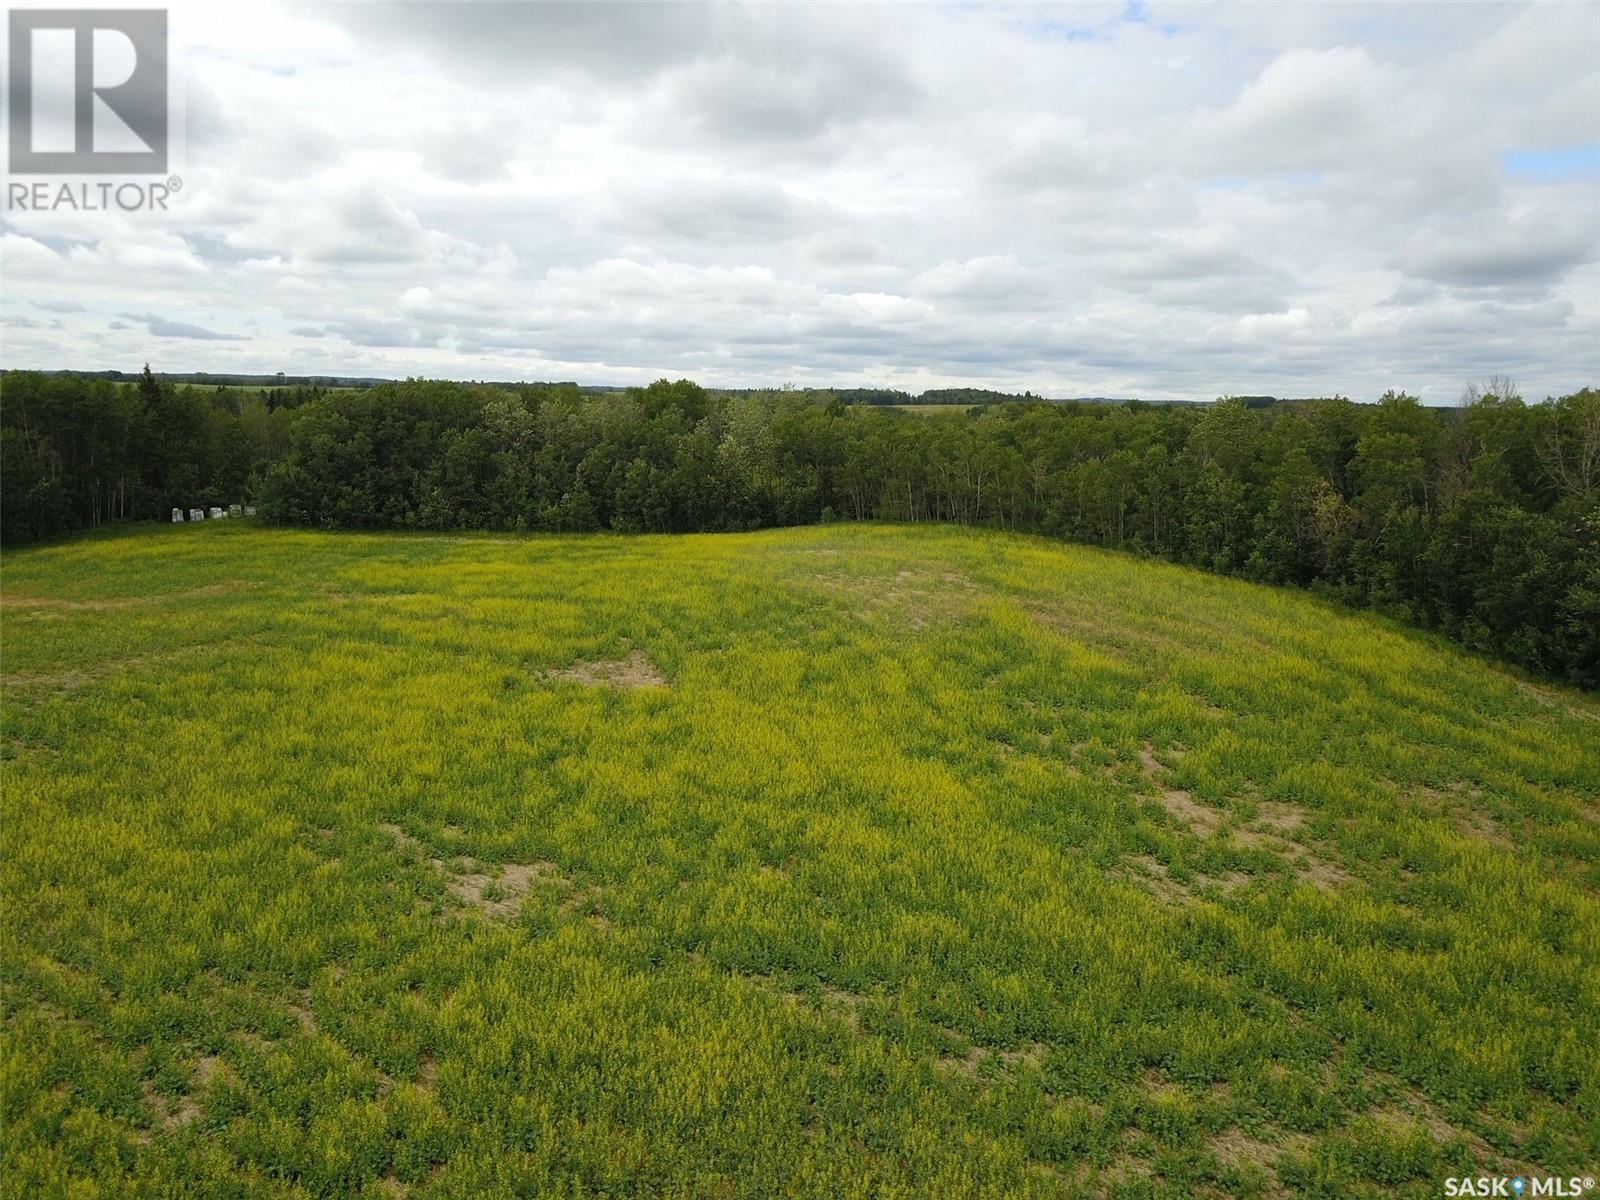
x=1462, y=806
x=175, y=1114
x=916, y=598
x=1154, y=877
x=1127, y=1171
x=1150, y=873
x=63, y=679
x=1196, y=817
x=1278, y=817
x=1407, y=1106
x=1032, y=1053
x=837, y=1001
x=498, y=893
x=1278, y=827
x=1237, y=1150
x=1115, y=636
x=501, y=896
x=171, y=1114
x=635, y=671
x=1550, y=698
x=1274, y=828
x=1158, y=1084
x=837, y=995
x=969, y=1065
x=83, y=676
x=1321, y=872
x=113, y=603
x=1474, y=822
x=972, y=1063
x=306, y=1018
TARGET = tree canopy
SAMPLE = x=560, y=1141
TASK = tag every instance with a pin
x=1482, y=521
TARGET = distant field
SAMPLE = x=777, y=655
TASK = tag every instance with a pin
x=253, y=388
x=823, y=862
x=932, y=410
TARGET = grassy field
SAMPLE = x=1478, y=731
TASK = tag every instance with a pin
x=824, y=862
x=253, y=389
x=932, y=410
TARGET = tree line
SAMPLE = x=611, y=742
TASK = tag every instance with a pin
x=1482, y=520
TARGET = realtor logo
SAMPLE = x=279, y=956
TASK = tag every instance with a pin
x=88, y=91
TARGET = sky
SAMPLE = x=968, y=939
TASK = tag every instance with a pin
x=1171, y=201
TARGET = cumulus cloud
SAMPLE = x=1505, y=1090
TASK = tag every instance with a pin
x=508, y=41
x=1309, y=109
x=161, y=327
x=1171, y=200
x=1528, y=247
x=382, y=333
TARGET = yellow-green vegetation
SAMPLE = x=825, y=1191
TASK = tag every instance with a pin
x=824, y=862
x=932, y=410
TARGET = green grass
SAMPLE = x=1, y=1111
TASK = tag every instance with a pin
x=925, y=863
x=933, y=410
x=254, y=388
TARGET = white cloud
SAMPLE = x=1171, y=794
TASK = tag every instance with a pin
x=1266, y=326
x=1248, y=198
x=1309, y=110
x=1531, y=246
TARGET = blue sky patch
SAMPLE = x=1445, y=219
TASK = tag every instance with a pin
x=1573, y=162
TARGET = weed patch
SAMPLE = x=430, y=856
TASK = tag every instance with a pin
x=635, y=671
x=949, y=863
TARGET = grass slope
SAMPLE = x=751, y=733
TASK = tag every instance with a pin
x=814, y=862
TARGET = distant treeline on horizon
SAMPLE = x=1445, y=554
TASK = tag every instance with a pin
x=845, y=395
x=1482, y=520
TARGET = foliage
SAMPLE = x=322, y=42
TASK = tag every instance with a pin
x=1479, y=521
x=889, y=891
x=76, y=452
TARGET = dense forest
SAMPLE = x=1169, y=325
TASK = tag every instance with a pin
x=1481, y=520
